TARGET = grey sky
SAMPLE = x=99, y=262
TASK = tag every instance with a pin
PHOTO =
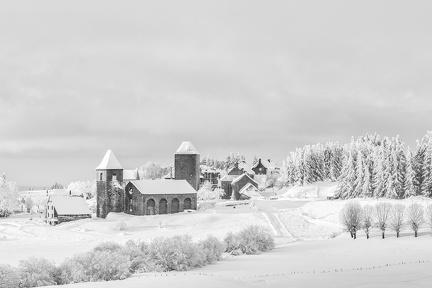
x=258, y=77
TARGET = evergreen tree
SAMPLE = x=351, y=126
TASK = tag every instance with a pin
x=409, y=177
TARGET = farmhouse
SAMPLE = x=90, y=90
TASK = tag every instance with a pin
x=262, y=167
x=64, y=207
x=116, y=193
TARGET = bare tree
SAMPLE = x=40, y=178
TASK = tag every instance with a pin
x=397, y=216
x=415, y=216
x=429, y=214
x=382, y=212
x=351, y=217
x=368, y=218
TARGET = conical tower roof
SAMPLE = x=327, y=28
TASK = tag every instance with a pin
x=187, y=148
x=109, y=162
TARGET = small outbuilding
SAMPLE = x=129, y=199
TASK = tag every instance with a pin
x=63, y=207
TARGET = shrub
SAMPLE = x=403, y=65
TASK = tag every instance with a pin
x=108, y=246
x=250, y=240
x=120, y=225
x=415, y=216
x=397, y=215
x=212, y=248
x=9, y=277
x=382, y=212
x=176, y=253
x=36, y=272
x=75, y=269
x=368, y=218
x=350, y=217
x=99, y=265
x=139, y=257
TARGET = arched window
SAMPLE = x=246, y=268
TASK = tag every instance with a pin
x=101, y=174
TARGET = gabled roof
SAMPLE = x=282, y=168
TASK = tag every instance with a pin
x=241, y=176
x=248, y=186
x=109, y=162
x=246, y=168
x=69, y=205
x=266, y=163
x=187, y=148
x=156, y=187
x=229, y=177
x=130, y=175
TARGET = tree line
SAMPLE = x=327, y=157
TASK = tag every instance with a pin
x=370, y=166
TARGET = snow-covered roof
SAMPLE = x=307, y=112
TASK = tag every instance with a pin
x=130, y=175
x=163, y=187
x=109, y=162
x=229, y=177
x=248, y=187
x=246, y=168
x=266, y=163
x=187, y=148
x=241, y=176
x=69, y=205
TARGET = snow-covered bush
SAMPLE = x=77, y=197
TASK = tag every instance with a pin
x=397, y=218
x=251, y=240
x=9, y=277
x=37, y=272
x=232, y=243
x=351, y=217
x=85, y=188
x=212, y=248
x=99, y=265
x=368, y=218
x=176, y=253
x=120, y=225
x=108, y=246
x=382, y=213
x=139, y=257
x=206, y=192
x=415, y=216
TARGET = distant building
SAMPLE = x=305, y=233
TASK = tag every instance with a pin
x=119, y=190
x=210, y=175
x=262, y=167
x=64, y=207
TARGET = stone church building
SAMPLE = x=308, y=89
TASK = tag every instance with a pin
x=120, y=190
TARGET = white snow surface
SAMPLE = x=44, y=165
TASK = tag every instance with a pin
x=312, y=249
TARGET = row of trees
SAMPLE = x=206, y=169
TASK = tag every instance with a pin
x=384, y=168
x=313, y=163
x=383, y=216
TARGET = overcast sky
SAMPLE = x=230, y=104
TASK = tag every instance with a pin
x=256, y=77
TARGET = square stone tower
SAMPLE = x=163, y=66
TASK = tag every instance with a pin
x=187, y=164
x=109, y=177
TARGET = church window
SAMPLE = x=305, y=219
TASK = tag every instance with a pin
x=101, y=174
x=114, y=177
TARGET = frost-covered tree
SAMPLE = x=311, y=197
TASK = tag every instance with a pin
x=415, y=217
x=368, y=218
x=207, y=193
x=57, y=186
x=382, y=213
x=84, y=188
x=428, y=215
x=408, y=185
x=397, y=218
x=351, y=217
x=8, y=196
x=152, y=171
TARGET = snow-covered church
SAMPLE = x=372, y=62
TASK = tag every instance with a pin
x=120, y=190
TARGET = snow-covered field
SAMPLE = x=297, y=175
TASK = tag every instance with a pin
x=311, y=248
